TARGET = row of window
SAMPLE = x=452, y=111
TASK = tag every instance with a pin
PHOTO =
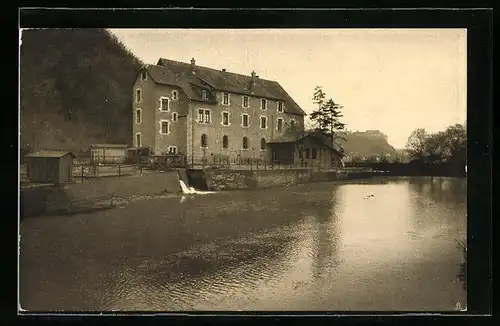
x=165, y=124
x=204, y=116
x=308, y=153
x=204, y=143
x=245, y=102
x=138, y=116
x=225, y=142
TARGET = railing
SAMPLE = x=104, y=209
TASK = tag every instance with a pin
x=85, y=168
x=237, y=162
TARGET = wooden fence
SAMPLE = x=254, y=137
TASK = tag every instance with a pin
x=85, y=168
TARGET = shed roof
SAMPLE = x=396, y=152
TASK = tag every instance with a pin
x=288, y=138
x=50, y=153
x=291, y=138
x=108, y=146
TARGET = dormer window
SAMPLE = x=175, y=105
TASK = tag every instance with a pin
x=144, y=75
x=280, y=106
x=204, y=94
x=225, y=98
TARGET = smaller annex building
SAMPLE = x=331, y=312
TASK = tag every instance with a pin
x=108, y=153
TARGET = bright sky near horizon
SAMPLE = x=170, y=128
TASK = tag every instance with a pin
x=394, y=80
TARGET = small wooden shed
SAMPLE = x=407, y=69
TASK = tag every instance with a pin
x=50, y=166
x=108, y=153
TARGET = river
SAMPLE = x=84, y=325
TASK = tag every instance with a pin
x=322, y=246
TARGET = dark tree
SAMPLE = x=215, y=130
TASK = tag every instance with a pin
x=326, y=118
x=443, y=146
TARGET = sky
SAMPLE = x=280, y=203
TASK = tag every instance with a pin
x=393, y=80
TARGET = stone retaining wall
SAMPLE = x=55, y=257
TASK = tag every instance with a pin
x=49, y=198
x=245, y=179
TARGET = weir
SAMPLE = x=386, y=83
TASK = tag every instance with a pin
x=183, y=176
x=186, y=186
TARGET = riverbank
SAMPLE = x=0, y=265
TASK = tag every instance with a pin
x=106, y=193
x=96, y=194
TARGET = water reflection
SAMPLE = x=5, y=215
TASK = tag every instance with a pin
x=194, y=279
x=234, y=273
x=327, y=239
x=239, y=273
x=438, y=204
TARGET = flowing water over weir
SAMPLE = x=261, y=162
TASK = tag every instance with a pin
x=381, y=244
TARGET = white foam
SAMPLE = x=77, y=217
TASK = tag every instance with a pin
x=191, y=191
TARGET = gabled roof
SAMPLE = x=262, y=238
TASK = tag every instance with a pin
x=50, y=153
x=180, y=74
x=291, y=138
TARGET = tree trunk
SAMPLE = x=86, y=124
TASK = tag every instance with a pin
x=331, y=150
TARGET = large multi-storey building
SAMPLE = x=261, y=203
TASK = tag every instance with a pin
x=200, y=112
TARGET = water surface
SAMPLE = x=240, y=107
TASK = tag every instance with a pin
x=323, y=246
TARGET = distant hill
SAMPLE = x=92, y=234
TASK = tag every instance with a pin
x=367, y=144
x=76, y=88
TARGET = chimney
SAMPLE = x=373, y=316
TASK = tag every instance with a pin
x=193, y=64
x=254, y=76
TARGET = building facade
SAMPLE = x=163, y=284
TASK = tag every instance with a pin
x=206, y=113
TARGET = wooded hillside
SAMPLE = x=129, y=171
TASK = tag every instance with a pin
x=75, y=88
x=366, y=145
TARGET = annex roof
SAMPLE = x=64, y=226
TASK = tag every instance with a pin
x=291, y=138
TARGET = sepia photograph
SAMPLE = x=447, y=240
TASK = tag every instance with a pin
x=265, y=169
